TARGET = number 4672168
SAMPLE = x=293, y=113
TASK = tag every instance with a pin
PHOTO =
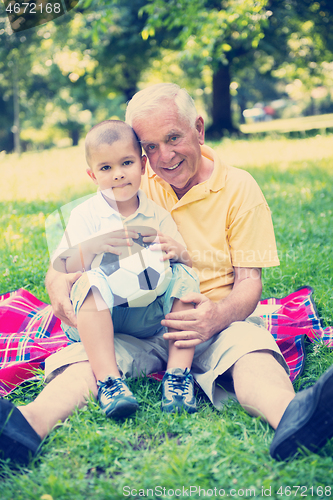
x=32, y=8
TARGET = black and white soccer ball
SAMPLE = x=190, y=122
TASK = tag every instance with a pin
x=136, y=277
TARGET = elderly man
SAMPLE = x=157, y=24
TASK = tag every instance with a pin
x=226, y=224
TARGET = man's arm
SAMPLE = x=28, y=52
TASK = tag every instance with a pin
x=208, y=318
x=59, y=285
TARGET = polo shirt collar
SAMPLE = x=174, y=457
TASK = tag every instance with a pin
x=105, y=210
x=216, y=181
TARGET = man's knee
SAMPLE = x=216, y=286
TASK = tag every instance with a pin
x=81, y=375
x=252, y=358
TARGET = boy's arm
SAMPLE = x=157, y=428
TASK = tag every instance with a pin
x=80, y=257
x=73, y=259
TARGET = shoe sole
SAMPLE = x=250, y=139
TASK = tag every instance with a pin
x=122, y=409
x=178, y=409
x=316, y=429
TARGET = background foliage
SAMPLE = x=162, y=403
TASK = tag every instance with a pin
x=230, y=54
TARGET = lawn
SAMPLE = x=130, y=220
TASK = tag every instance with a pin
x=297, y=125
x=211, y=453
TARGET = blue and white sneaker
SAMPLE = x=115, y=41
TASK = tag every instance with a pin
x=178, y=391
x=115, y=398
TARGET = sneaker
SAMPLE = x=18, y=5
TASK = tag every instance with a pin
x=178, y=391
x=115, y=398
x=307, y=421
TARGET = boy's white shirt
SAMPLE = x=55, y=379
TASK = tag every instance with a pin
x=95, y=217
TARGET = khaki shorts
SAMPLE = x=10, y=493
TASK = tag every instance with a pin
x=137, y=357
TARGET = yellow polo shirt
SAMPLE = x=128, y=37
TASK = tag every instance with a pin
x=225, y=222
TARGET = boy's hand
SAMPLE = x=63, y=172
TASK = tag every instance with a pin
x=81, y=256
x=109, y=242
x=173, y=250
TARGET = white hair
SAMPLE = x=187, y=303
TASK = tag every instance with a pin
x=151, y=97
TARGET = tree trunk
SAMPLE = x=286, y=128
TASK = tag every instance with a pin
x=75, y=136
x=221, y=105
x=16, y=125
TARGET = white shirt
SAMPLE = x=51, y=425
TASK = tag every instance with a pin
x=95, y=216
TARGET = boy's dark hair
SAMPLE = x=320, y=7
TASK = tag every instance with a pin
x=108, y=132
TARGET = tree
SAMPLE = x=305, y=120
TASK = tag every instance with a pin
x=214, y=33
x=238, y=39
x=16, y=54
x=82, y=67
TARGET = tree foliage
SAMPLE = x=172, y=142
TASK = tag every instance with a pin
x=246, y=40
x=78, y=69
x=212, y=33
x=84, y=66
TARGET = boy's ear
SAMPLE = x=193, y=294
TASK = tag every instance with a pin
x=143, y=164
x=92, y=175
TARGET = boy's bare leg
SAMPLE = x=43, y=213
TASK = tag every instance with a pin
x=96, y=332
x=179, y=358
x=60, y=397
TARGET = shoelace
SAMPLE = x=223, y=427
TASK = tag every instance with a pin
x=112, y=388
x=179, y=385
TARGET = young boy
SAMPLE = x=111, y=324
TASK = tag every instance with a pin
x=115, y=161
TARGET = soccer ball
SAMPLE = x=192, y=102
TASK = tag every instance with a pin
x=137, y=276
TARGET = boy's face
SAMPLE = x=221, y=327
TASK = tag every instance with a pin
x=117, y=169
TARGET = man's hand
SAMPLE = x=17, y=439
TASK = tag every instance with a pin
x=208, y=318
x=196, y=325
x=59, y=286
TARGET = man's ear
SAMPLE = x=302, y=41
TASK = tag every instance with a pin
x=200, y=128
x=92, y=175
x=143, y=164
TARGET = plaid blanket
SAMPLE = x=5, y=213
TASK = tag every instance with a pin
x=29, y=332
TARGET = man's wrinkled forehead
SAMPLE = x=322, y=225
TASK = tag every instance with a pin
x=160, y=125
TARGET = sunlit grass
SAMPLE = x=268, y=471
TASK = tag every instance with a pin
x=277, y=152
x=48, y=175
x=51, y=174
x=298, y=124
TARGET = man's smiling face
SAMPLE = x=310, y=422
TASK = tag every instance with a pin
x=172, y=145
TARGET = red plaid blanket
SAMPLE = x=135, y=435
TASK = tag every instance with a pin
x=29, y=332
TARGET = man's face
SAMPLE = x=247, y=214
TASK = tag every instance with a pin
x=172, y=146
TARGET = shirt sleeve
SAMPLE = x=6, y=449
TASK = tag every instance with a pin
x=78, y=229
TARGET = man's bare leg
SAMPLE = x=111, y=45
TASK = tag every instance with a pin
x=60, y=397
x=262, y=386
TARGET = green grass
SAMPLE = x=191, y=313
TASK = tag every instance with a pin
x=89, y=457
x=286, y=125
